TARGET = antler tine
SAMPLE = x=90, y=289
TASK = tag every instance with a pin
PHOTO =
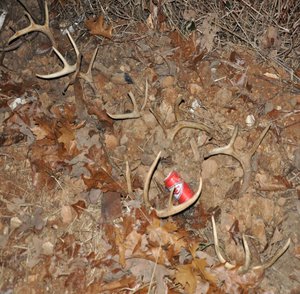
x=171, y=209
x=88, y=77
x=67, y=69
x=33, y=27
x=148, y=180
x=276, y=256
x=134, y=114
x=227, y=264
x=244, y=159
x=187, y=124
x=245, y=267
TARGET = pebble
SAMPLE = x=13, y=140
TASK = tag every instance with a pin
x=223, y=96
x=268, y=107
x=195, y=89
x=167, y=82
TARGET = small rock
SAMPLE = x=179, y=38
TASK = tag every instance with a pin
x=281, y=201
x=67, y=214
x=268, y=107
x=111, y=141
x=123, y=140
x=195, y=89
x=209, y=168
x=15, y=222
x=166, y=82
x=169, y=95
x=48, y=248
x=223, y=96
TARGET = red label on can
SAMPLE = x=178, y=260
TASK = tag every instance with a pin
x=182, y=192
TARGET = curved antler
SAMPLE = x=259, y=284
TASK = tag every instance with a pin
x=246, y=266
x=243, y=158
x=67, y=69
x=171, y=209
x=34, y=27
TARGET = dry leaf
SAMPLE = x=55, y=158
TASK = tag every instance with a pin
x=111, y=207
x=97, y=26
x=79, y=207
x=201, y=264
x=186, y=276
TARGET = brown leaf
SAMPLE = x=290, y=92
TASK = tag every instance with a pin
x=126, y=282
x=79, y=207
x=111, y=207
x=96, y=26
x=186, y=276
x=200, y=264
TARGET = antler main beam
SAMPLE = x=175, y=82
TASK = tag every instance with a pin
x=68, y=68
x=171, y=209
x=134, y=114
x=34, y=27
x=243, y=158
x=246, y=266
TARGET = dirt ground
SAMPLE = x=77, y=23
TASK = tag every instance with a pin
x=73, y=217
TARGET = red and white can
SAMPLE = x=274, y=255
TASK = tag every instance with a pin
x=182, y=191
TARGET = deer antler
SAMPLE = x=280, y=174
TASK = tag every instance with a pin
x=34, y=27
x=134, y=114
x=20, y=41
x=186, y=124
x=246, y=267
x=67, y=69
x=171, y=209
x=87, y=76
x=243, y=158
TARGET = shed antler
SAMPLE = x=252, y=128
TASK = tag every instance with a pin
x=67, y=69
x=246, y=266
x=243, y=158
x=171, y=209
x=187, y=124
x=34, y=27
x=134, y=114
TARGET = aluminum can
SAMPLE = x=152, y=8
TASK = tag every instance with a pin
x=182, y=191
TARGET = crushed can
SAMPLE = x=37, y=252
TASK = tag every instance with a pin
x=182, y=191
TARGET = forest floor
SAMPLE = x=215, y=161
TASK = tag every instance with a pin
x=73, y=218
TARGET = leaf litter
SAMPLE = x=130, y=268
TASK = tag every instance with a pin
x=71, y=219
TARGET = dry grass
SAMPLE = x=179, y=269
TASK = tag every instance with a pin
x=244, y=22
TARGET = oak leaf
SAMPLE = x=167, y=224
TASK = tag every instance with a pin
x=186, y=276
x=97, y=26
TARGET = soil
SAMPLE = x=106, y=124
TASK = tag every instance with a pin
x=71, y=223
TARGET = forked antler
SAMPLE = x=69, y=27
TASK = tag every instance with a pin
x=246, y=266
x=87, y=76
x=186, y=124
x=34, y=27
x=67, y=69
x=243, y=158
x=134, y=114
x=171, y=209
